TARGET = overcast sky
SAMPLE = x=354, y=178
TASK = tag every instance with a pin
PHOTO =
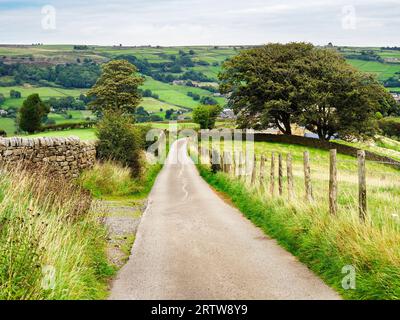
x=200, y=22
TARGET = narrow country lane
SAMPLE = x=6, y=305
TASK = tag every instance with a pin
x=192, y=245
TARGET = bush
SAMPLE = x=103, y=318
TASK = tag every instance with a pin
x=389, y=127
x=120, y=140
x=15, y=94
x=68, y=126
x=51, y=228
x=3, y=133
x=208, y=101
x=206, y=115
x=50, y=122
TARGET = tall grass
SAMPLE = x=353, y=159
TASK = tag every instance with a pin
x=109, y=179
x=324, y=242
x=52, y=246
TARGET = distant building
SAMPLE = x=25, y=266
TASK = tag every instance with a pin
x=227, y=114
x=179, y=82
x=392, y=60
x=3, y=113
x=309, y=134
x=396, y=96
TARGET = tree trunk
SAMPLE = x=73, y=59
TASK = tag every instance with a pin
x=285, y=127
x=288, y=128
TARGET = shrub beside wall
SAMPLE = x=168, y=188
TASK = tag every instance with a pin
x=65, y=156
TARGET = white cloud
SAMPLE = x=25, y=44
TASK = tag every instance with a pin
x=189, y=22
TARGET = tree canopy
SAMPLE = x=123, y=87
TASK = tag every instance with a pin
x=337, y=99
x=277, y=85
x=31, y=114
x=206, y=115
x=117, y=89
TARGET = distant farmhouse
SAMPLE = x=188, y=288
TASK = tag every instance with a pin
x=227, y=114
x=396, y=96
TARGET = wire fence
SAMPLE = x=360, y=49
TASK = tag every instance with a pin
x=279, y=175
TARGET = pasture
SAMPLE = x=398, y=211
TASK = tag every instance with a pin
x=382, y=70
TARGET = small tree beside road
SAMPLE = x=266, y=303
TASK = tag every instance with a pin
x=115, y=97
x=117, y=89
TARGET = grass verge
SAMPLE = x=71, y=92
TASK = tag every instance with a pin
x=109, y=180
x=52, y=245
x=324, y=243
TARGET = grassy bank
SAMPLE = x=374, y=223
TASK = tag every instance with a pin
x=52, y=245
x=324, y=242
x=108, y=180
x=122, y=198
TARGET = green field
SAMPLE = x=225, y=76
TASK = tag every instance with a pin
x=177, y=94
x=154, y=105
x=170, y=96
x=44, y=92
x=382, y=70
x=83, y=134
x=8, y=125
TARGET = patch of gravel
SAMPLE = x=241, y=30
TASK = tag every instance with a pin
x=120, y=226
x=122, y=219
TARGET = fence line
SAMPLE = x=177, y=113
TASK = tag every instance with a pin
x=236, y=165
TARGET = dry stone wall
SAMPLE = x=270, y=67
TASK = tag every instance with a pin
x=66, y=156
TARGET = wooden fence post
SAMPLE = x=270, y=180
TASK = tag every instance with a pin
x=215, y=161
x=290, y=176
x=280, y=174
x=227, y=162
x=333, y=207
x=262, y=172
x=199, y=152
x=307, y=176
x=234, y=163
x=362, y=185
x=241, y=165
x=223, y=156
x=272, y=176
x=254, y=171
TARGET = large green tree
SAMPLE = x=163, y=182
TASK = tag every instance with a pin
x=31, y=114
x=278, y=85
x=265, y=85
x=338, y=99
x=117, y=89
